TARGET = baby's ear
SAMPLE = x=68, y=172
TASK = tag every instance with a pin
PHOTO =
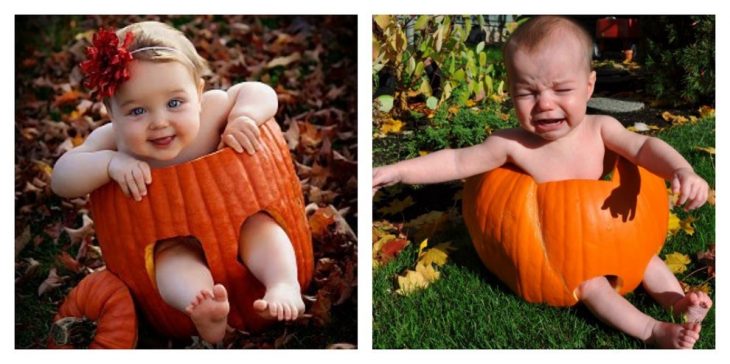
x=201, y=85
x=591, y=83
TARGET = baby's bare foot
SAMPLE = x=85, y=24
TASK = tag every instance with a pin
x=694, y=306
x=666, y=335
x=281, y=302
x=209, y=312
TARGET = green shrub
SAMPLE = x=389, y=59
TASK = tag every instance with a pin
x=468, y=126
x=680, y=58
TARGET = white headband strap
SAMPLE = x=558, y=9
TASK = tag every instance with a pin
x=153, y=49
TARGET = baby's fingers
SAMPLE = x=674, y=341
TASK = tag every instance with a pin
x=232, y=142
x=146, y=172
x=132, y=185
x=254, y=134
x=675, y=184
x=245, y=140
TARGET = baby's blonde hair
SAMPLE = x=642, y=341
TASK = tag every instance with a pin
x=536, y=31
x=167, y=45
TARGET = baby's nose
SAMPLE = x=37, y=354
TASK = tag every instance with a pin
x=545, y=102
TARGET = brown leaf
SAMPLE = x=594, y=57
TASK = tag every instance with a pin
x=284, y=61
x=52, y=282
x=86, y=229
x=321, y=220
x=342, y=346
x=67, y=97
x=321, y=309
x=69, y=262
x=292, y=135
x=22, y=240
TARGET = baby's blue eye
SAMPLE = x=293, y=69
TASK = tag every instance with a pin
x=174, y=103
x=137, y=111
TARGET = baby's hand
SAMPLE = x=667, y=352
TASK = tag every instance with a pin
x=385, y=176
x=131, y=174
x=692, y=188
x=242, y=133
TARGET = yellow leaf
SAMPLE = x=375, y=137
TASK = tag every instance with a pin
x=675, y=119
x=391, y=126
x=453, y=109
x=677, y=262
x=686, y=225
x=423, y=152
x=704, y=287
x=415, y=280
x=708, y=150
x=673, y=198
x=44, y=167
x=470, y=103
x=422, y=246
x=673, y=224
x=707, y=111
x=436, y=255
x=397, y=206
x=428, y=273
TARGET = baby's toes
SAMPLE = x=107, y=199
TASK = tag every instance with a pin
x=287, y=312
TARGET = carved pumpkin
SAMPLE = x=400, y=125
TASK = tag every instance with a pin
x=99, y=309
x=544, y=239
x=208, y=198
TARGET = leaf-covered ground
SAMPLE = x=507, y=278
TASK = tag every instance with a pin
x=310, y=62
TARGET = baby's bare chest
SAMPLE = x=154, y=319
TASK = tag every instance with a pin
x=574, y=161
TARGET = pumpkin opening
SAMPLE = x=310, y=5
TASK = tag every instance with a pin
x=278, y=219
x=191, y=242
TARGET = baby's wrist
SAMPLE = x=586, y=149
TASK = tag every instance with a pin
x=243, y=118
x=685, y=169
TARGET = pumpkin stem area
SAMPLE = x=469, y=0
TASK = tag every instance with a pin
x=76, y=331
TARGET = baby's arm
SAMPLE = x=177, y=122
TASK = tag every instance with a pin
x=658, y=157
x=94, y=163
x=445, y=165
x=252, y=104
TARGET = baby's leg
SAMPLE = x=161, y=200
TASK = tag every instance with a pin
x=610, y=307
x=661, y=284
x=185, y=283
x=267, y=252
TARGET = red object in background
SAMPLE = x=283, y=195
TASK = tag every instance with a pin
x=617, y=28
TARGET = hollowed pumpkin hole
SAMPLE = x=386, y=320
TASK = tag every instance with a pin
x=278, y=219
x=190, y=242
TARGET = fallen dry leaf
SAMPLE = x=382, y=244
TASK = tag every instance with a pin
x=677, y=262
x=52, y=282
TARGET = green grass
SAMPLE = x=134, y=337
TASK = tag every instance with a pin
x=469, y=308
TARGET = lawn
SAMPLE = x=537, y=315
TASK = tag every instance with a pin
x=469, y=308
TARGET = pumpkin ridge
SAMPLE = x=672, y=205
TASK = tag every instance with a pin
x=548, y=263
x=209, y=248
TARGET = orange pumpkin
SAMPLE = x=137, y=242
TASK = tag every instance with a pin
x=100, y=302
x=208, y=198
x=544, y=239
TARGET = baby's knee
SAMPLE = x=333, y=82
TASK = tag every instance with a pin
x=259, y=218
x=593, y=285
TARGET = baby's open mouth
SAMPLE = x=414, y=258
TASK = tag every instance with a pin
x=164, y=141
x=548, y=121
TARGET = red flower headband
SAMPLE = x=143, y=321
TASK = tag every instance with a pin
x=106, y=64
